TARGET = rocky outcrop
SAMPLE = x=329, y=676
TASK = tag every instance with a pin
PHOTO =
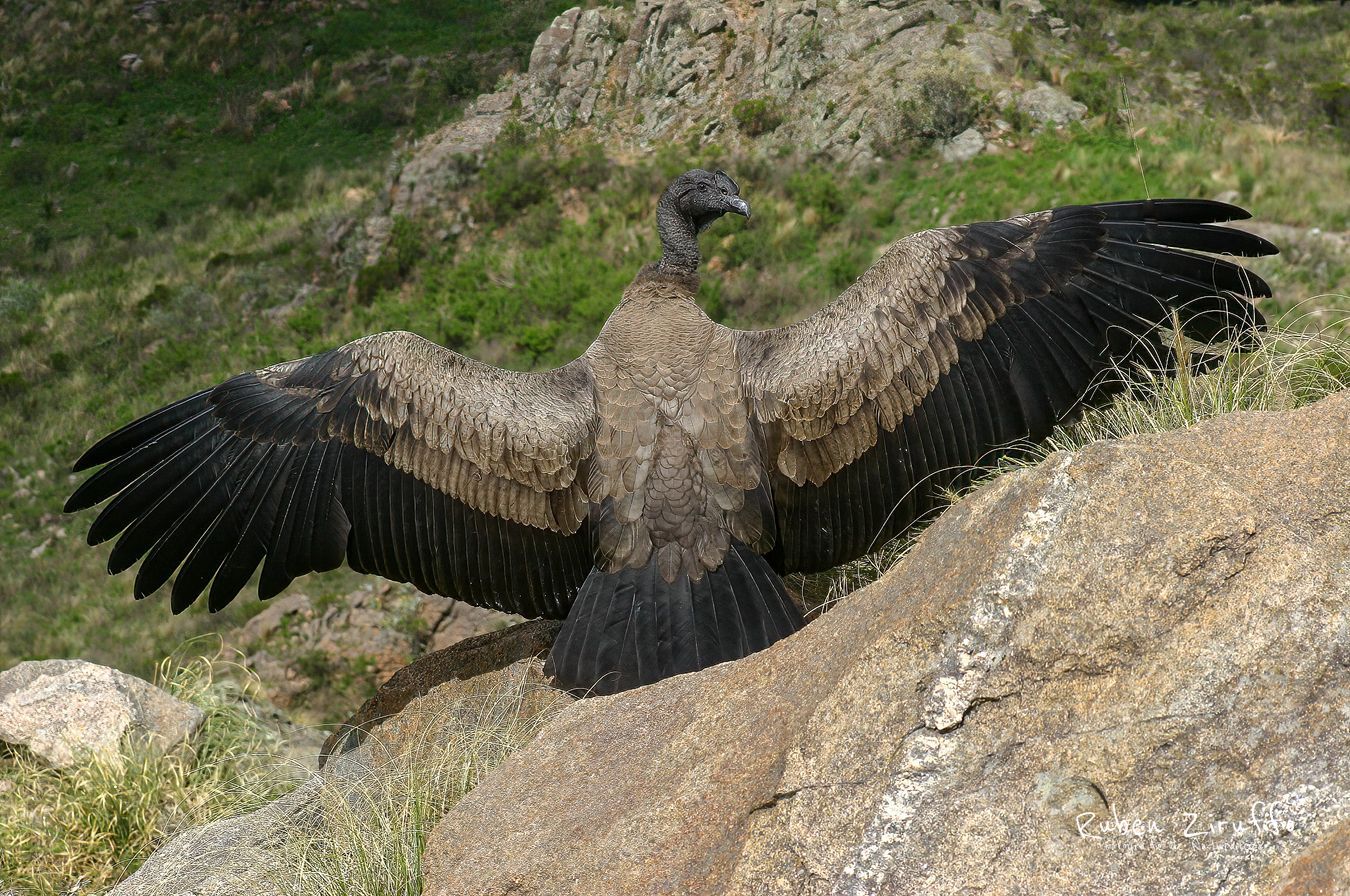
x=1123, y=670
x=64, y=710
x=301, y=648
x=712, y=72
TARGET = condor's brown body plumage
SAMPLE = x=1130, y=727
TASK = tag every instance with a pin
x=654, y=491
x=676, y=471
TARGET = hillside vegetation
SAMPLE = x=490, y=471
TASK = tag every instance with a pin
x=168, y=225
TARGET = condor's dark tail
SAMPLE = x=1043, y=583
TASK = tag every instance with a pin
x=632, y=627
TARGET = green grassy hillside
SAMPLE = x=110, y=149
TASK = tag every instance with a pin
x=149, y=218
x=220, y=104
x=165, y=228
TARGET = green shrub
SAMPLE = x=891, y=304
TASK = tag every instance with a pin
x=374, y=113
x=1334, y=97
x=586, y=167
x=938, y=106
x=518, y=174
x=406, y=247
x=456, y=78
x=42, y=238
x=845, y=266
x=376, y=277
x=1098, y=90
x=812, y=40
x=819, y=188
x=757, y=116
x=537, y=340
x=1024, y=49
x=529, y=168
x=13, y=385
x=27, y=167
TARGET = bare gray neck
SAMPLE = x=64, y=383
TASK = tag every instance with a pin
x=679, y=239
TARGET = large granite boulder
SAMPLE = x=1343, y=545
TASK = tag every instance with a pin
x=65, y=710
x=1126, y=670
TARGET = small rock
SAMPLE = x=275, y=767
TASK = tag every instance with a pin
x=147, y=10
x=1032, y=9
x=64, y=709
x=963, y=147
x=1051, y=106
x=281, y=312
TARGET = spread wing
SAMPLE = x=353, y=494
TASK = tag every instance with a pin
x=406, y=459
x=960, y=341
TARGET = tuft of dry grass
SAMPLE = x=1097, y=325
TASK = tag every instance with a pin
x=370, y=840
x=1289, y=368
x=359, y=829
x=88, y=826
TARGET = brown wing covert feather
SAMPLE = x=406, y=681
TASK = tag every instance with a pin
x=505, y=443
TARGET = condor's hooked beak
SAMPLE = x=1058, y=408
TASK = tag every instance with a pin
x=739, y=206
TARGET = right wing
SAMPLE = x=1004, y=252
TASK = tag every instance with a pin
x=963, y=341
x=409, y=460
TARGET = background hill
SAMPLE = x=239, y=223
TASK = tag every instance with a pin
x=191, y=188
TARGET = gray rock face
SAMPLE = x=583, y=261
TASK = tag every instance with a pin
x=676, y=71
x=443, y=159
x=1123, y=671
x=64, y=709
